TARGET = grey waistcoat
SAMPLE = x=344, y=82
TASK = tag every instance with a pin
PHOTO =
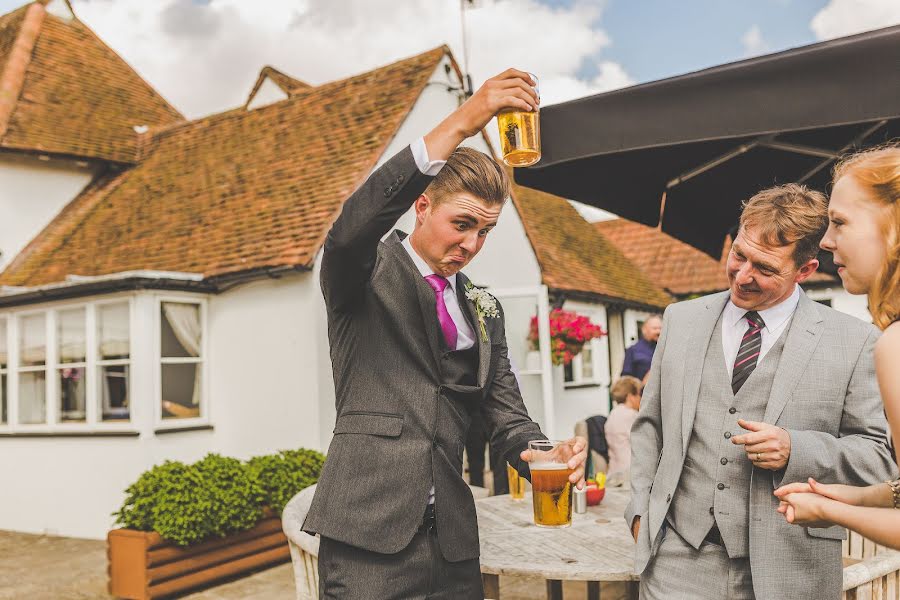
x=715, y=483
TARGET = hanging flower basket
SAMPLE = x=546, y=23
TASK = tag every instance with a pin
x=569, y=331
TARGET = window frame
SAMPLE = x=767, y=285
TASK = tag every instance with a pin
x=52, y=367
x=205, y=418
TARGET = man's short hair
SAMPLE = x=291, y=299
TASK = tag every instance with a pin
x=625, y=385
x=786, y=214
x=472, y=172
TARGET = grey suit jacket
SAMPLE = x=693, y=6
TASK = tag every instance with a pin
x=824, y=394
x=400, y=428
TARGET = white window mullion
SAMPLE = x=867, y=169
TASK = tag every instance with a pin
x=92, y=375
x=51, y=369
x=12, y=337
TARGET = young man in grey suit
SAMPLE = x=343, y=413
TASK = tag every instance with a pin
x=416, y=358
x=750, y=389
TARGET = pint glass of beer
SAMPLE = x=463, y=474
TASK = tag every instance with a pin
x=520, y=135
x=551, y=489
x=516, y=483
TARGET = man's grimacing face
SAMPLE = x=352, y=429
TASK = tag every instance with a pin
x=449, y=235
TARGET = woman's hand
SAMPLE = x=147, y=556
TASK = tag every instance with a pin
x=872, y=495
x=805, y=508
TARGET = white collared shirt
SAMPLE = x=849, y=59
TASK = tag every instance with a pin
x=465, y=336
x=734, y=326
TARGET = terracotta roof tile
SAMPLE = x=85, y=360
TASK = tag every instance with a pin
x=677, y=267
x=574, y=257
x=237, y=191
x=79, y=98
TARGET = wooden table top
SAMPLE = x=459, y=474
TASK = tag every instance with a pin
x=596, y=547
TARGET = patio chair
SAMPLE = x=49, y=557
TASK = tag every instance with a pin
x=304, y=547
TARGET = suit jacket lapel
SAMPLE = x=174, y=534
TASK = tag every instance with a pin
x=484, y=345
x=803, y=336
x=697, y=345
x=425, y=296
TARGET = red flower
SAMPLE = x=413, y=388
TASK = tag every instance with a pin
x=568, y=334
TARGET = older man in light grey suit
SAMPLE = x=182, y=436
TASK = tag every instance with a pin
x=751, y=389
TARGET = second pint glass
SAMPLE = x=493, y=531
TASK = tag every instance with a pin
x=520, y=135
x=551, y=490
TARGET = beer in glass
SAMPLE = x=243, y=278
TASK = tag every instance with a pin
x=551, y=490
x=516, y=483
x=520, y=135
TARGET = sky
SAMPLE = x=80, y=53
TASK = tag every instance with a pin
x=204, y=55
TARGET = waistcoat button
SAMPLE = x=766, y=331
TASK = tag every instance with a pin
x=727, y=435
x=724, y=461
x=732, y=410
x=721, y=486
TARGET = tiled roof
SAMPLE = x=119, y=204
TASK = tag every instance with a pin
x=238, y=191
x=679, y=268
x=288, y=84
x=69, y=93
x=574, y=257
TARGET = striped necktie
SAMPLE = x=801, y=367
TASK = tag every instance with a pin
x=748, y=353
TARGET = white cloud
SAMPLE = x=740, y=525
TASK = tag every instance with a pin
x=753, y=42
x=204, y=58
x=846, y=17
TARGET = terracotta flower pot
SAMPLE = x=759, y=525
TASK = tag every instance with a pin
x=142, y=565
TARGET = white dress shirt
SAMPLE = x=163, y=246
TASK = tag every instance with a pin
x=734, y=326
x=420, y=155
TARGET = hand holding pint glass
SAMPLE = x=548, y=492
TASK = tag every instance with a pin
x=520, y=133
x=555, y=468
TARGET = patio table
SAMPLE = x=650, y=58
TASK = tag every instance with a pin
x=596, y=548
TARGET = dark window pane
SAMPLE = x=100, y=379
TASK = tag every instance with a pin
x=180, y=334
x=180, y=391
x=71, y=395
x=114, y=393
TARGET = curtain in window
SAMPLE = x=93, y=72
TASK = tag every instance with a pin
x=185, y=322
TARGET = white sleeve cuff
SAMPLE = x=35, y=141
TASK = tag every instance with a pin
x=420, y=154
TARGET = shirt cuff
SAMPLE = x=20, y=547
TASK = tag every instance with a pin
x=420, y=155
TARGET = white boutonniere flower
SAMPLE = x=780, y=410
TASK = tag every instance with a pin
x=485, y=306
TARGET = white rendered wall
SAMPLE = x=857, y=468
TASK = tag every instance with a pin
x=577, y=403
x=32, y=192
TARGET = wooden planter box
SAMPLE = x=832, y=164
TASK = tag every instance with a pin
x=143, y=565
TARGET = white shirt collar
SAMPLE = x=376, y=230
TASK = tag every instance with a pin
x=421, y=265
x=773, y=317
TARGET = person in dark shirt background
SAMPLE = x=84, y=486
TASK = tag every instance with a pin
x=639, y=356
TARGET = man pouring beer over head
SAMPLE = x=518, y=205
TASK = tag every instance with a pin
x=417, y=354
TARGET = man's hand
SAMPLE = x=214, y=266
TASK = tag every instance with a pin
x=574, y=453
x=510, y=89
x=767, y=446
x=635, y=528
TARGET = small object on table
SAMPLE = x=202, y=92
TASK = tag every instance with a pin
x=594, y=495
x=579, y=501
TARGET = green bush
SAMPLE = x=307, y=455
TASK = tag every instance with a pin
x=215, y=496
x=284, y=474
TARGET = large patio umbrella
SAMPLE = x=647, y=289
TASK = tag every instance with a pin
x=691, y=148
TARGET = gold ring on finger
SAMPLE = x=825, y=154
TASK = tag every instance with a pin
x=758, y=457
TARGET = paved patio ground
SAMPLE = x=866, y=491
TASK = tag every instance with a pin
x=40, y=567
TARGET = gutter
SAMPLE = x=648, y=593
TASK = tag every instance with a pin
x=77, y=286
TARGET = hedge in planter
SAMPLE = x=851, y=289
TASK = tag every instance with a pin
x=187, y=504
x=285, y=474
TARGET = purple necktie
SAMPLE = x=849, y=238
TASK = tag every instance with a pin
x=439, y=284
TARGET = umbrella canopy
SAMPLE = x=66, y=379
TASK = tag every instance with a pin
x=689, y=149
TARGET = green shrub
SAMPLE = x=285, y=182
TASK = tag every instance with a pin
x=284, y=474
x=188, y=504
x=215, y=496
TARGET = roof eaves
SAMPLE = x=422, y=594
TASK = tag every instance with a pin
x=12, y=78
